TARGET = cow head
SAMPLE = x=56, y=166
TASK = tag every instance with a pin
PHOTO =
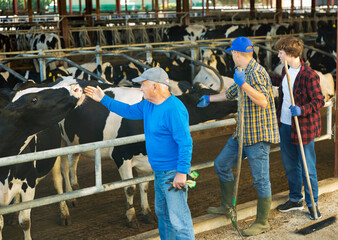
x=44, y=105
x=209, y=79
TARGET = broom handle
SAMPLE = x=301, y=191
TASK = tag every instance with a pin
x=240, y=143
x=301, y=143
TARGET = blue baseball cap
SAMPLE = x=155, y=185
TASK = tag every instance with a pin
x=241, y=44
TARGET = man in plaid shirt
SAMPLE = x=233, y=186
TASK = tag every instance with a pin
x=308, y=101
x=260, y=129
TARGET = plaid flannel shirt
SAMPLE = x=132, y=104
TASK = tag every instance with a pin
x=260, y=124
x=308, y=96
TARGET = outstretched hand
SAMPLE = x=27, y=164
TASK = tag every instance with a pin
x=94, y=93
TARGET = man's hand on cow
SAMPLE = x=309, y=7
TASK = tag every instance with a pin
x=295, y=111
x=239, y=77
x=94, y=93
x=204, y=101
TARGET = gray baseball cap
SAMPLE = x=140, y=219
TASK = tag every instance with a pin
x=155, y=74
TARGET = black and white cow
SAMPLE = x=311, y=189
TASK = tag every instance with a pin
x=93, y=122
x=183, y=33
x=209, y=79
x=125, y=72
x=177, y=71
x=178, y=68
x=105, y=71
x=46, y=41
x=321, y=62
x=269, y=30
x=327, y=35
x=9, y=80
x=226, y=31
x=27, y=124
x=223, y=63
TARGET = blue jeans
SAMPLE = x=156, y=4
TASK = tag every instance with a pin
x=258, y=157
x=172, y=210
x=293, y=165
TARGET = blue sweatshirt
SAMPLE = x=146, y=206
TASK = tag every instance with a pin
x=166, y=129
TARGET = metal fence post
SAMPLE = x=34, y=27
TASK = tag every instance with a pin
x=193, y=56
x=149, y=54
x=268, y=53
x=42, y=65
x=98, y=168
x=98, y=61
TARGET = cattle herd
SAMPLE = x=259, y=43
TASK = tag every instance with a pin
x=53, y=112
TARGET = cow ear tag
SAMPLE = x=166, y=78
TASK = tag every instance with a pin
x=53, y=78
x=124, y=73
x=50, y=74
x=167, y=69
x=154, y=64
x=213, y=58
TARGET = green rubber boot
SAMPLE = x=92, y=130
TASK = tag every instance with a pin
x=261, y=224
x=227, y=189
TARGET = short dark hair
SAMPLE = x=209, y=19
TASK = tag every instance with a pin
x=291, y=45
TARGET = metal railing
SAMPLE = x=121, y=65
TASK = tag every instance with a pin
x=147, y=49
x=97, y=146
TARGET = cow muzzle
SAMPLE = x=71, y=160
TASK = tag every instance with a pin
x=77, y=92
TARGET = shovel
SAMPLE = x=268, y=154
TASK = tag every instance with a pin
x=233, y=211
x=301, y=144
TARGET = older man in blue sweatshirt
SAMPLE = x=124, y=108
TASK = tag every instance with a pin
x=168, y=144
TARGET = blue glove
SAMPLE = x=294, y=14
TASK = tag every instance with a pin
x=295, y=110
x=204, y=101
x=239, y=77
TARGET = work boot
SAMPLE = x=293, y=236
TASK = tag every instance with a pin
x=227, y=189
x=312, y=213
x=261, y=224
